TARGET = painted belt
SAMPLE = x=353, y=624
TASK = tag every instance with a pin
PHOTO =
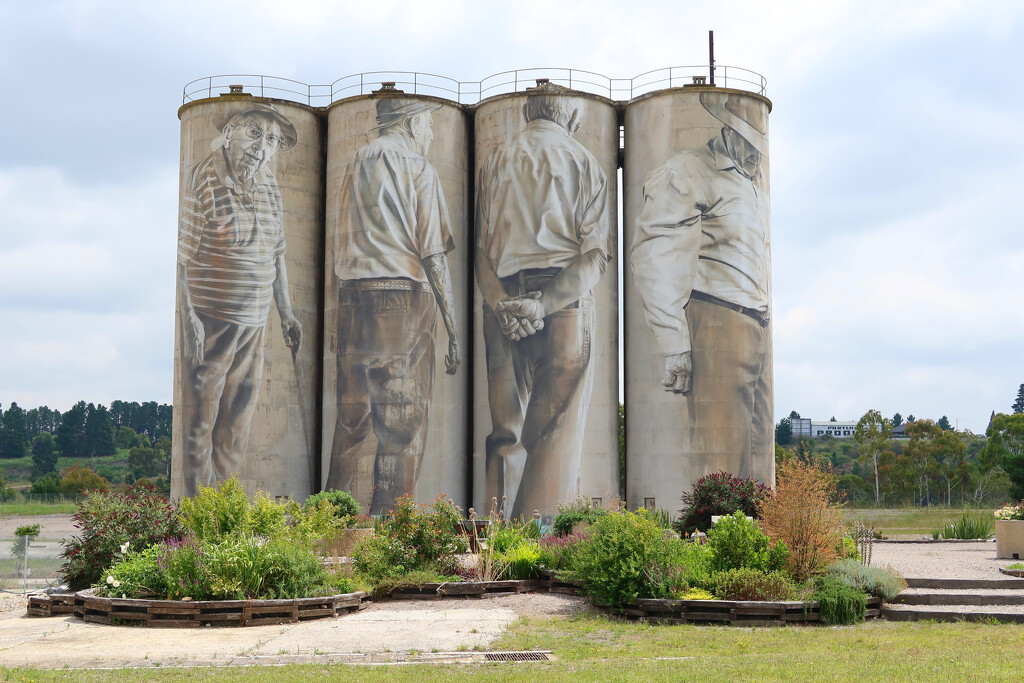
x=762, y=317
x=530, y=280
x=400, y=284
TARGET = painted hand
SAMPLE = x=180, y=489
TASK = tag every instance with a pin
x=292, y=330
x=678, y=373
x=195, y=337
x=528, y=312
x=454, y=357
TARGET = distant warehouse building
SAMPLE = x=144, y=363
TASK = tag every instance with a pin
x=807, y=427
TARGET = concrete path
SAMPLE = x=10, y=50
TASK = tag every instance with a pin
x=391, y=631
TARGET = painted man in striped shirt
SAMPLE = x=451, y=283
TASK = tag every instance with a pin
x=230, y=265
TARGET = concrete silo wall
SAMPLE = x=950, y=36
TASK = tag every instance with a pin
x=698, y=353
x=546, y=396
x=395, y=397
x=248, y=305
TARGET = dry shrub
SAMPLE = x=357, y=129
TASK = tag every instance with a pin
x=805, y=514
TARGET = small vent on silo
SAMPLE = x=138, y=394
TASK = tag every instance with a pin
x=387, y=87
x=542, y=81
x=236, y=89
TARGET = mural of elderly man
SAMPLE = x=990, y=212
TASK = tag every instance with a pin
x=542, y=245
x=701, y=264
x=393, y=235
x=230, y=265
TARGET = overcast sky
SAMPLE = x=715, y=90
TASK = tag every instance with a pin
x=897, y=162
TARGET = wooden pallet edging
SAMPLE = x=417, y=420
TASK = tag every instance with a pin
x=466, y=589
x=734, y=612
x=100, y=609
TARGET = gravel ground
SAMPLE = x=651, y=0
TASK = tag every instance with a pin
x=975, y=560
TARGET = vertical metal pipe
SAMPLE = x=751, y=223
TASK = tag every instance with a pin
x=711, y=56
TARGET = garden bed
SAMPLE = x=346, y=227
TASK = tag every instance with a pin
x=89, y=607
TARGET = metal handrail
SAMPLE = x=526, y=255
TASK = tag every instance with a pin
x=471, y=92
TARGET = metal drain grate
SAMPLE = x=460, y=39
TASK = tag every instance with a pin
x=516, y=656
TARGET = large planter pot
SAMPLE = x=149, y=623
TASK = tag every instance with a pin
x=345, y=540
x=1010, y=539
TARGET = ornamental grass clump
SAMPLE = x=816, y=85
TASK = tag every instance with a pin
x=719, y=494
x=970, y=525
x=804, y=514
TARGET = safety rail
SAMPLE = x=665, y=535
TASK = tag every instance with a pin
x=471, y=92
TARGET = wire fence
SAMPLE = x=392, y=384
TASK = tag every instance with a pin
x=29, y=564
x=471, y=92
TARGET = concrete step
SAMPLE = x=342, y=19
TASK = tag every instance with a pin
x=986, y=597
x=997, y=584
x=952, y=613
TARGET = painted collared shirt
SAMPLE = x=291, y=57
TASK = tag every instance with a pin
x=541, y=202
x=391, y=213
x=703, y=227
x=229, y=237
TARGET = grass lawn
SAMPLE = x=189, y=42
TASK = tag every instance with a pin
x=596, y=648
x=27, y=509
x=917, y=521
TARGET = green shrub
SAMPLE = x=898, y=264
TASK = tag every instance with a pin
x=969, y=526
x=345, y=506
x=428, y=535
x=226, y=512
x=719, y=494
x=839, y=603
x=614, y=561
x=848, y=549
x=139, y=517
x=411, y=539
x=573, y=512
x=48, y=483
x=137, y=575
x=380, y=556
x=752, y=584
x=877, y=582
x=76, y=479
x=697, y=594
x=736, y=541
x=232, y=568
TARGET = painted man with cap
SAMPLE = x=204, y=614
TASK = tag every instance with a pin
x=544, y=241
x=230, y=266
x=390, y=259
x=701, y=264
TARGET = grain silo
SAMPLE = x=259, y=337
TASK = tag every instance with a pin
x=698, y=357
x=248, y=307
x=395, y=398
x=546, y=396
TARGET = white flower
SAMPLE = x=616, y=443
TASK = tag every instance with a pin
x=110, y=580
x=124, y=547
x=116, y=584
